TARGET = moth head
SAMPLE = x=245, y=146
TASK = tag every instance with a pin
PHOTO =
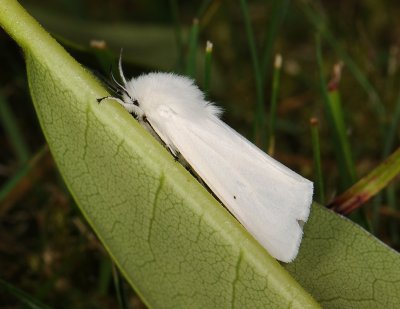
x=133, y=103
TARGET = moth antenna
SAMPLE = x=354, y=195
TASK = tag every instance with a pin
x=105, y=81
x=121, y=88
x=118, y=84
x=121, y=73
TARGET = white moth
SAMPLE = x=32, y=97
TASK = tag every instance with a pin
x=271, y=201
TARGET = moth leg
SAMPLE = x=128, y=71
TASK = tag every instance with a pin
x=99, y=100
x=179, y=158
x=110, y=97
x=176, y=156
x=129, y=107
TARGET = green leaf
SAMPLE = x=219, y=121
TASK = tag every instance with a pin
x=173, y=242
x=344, y=266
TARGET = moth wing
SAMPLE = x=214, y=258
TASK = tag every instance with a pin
x=267, y=198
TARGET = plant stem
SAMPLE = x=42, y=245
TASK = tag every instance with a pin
x=274, y=99
x=178, y=33
x=259, y=120
x=278, y=14
x=207, y=67
x=333, y=109
x=13, y=132
x=192, y=52
x=317, y=160
x=369, y=185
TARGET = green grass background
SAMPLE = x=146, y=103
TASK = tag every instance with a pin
x=47, y=249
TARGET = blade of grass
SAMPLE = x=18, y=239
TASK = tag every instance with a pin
x=317, y=160
x=207, y=67
x=192, y=50
x=392, y=203
x=274, y=99
x=335, y=106
x=122, y=304
x=178, y=33
x=26, y=299
x=13, y=132
x=105, y=272
x=368, y=186
x=390, y=192
x=333, y=109
x=392, y=131
x=277, y=16
x=259, y=119
x=24, y=178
